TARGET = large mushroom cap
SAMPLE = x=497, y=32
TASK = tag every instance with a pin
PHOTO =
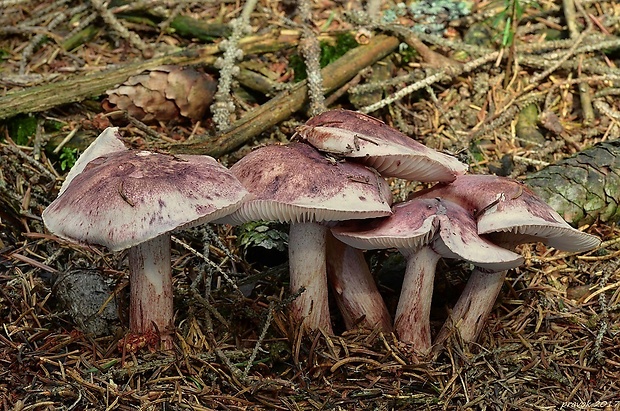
x=127, y=197
x=504, y=205
x=295, y=183
x=374, y=143
x=445, y=226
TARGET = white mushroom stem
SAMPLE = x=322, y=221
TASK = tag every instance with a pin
x=412, y=322
x=473, y=307
x=355, y=290
x=307, y=266
x=150, y=280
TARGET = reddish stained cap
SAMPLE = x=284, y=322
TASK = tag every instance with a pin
x=374, y=143
x=504, y=205
x=295, y=183
x=448, y=228
x=127, y=197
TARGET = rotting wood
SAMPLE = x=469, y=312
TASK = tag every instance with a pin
x=286, y=103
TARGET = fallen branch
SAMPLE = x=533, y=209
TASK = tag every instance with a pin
x=286, y=103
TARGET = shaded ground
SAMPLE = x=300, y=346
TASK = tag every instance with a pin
x=552, y=341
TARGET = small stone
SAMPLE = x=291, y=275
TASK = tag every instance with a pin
x=88, y=297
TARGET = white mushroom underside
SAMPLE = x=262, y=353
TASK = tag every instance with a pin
x=412, y=167
x=123, y=232
x=459, y=239
x=482, y=253
x=270, y=210
x=561, y=238
x=557, y=234
x=405, y=239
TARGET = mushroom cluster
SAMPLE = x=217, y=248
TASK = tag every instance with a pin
x=425, y=230
x=329, y=185
x=475, y=218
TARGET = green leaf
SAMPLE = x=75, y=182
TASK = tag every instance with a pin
x=68, y=158
x=268, y=235
x=519, y=9
x=499, y=18
x=508, y=34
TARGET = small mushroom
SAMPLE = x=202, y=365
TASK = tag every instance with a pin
x=296, y=184
x=425, y=230
x=130, y=199
x=508, y=213
x=372, y=142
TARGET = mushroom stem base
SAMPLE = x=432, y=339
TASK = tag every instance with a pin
x=150, y=280
x=473, y=307
x=355, y=290
x=412, y=322
x=307, y=264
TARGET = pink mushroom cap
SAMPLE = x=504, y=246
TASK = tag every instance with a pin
x=372, y=142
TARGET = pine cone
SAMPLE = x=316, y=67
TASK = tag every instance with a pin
x=585, y=187
x=163, y=94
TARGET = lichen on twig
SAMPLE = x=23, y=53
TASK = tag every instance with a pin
x=223, y=106
x=311, y=51
x=434, y=78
